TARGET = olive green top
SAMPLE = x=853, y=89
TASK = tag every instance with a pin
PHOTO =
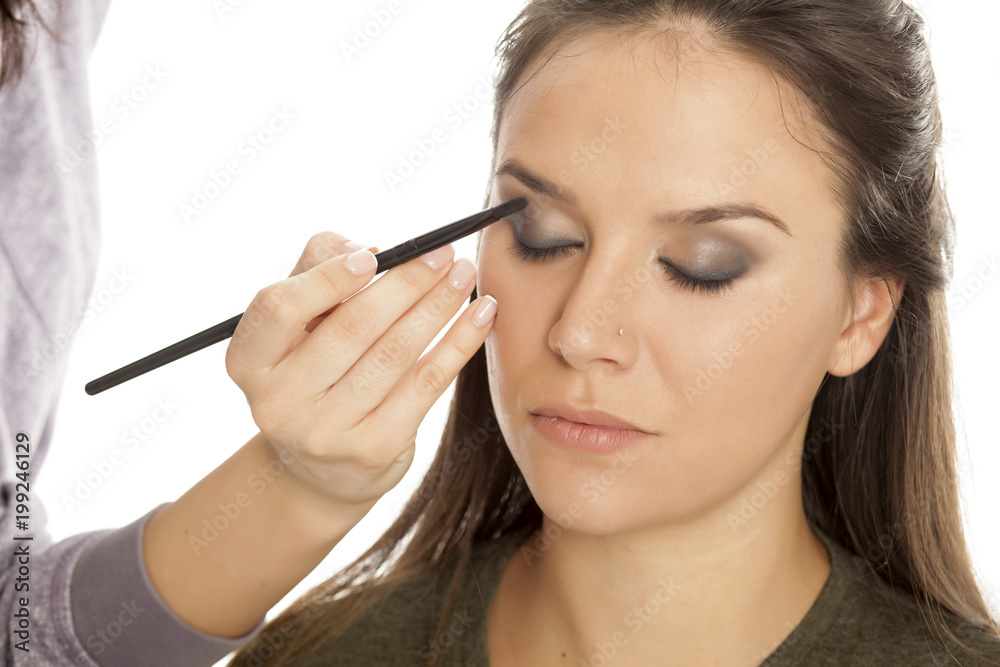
x=856, y=620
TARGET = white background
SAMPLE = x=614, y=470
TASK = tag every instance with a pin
x=222, y=77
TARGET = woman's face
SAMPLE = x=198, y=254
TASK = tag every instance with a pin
x=631, y=140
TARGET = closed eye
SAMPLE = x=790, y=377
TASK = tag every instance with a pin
x=685, y=280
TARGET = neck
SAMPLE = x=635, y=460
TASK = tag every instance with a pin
x=707, y=590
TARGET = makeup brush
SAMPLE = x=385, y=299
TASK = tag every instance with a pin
x=386, y=260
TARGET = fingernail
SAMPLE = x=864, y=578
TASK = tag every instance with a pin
x=440, y=257
x=361, y=262
x=485, y=310
x=351, y=246
x=462, y=274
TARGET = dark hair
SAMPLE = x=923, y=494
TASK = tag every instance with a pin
x=14, y=30
x=885, y=485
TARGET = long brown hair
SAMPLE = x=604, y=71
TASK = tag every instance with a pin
x=14, y=30
x=885, y=485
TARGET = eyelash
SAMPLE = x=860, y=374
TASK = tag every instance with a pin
x=684, y=280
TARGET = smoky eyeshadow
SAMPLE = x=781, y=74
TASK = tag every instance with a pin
x=523, y=231
x=520, y=225
x=713, y=259
x=705, y=257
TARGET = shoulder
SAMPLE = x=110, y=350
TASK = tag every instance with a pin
x=392, y=632
x=888, y=625
x=400, y=629
x=866, y=621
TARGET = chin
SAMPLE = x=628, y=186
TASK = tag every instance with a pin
x=582, y=499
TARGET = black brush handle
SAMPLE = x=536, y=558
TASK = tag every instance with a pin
x=386, y=260
x=198, y=341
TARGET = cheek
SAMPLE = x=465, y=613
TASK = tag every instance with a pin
x=746, y=374
x=512, y=344
x=521, y=304
x=795, y=331
x=497, y=279
x=493, y=276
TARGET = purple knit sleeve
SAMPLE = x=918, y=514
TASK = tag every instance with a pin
x=121, y=619
x=87, y=600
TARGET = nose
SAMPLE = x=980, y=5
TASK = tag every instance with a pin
x=606, y=296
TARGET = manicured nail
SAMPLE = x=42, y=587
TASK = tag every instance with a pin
x=361, y=262
x=485, y=310
x=351, y=246
x=462, y=274
x=440, y=257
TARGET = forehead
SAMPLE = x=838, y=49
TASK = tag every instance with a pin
x=676, y=120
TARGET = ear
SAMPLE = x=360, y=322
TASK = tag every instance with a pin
x=867, y=324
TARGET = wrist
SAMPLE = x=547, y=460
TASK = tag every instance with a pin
x=296, y=501
x=249, y=520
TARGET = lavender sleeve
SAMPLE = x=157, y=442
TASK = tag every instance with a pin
x=86, y=600
x=91, y=604
x=122, y=620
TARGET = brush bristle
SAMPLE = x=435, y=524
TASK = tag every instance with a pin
x=512, y=206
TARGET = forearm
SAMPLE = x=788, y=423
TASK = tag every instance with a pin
x=233, y=545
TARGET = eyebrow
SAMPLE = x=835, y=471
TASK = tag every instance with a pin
x=726, y=211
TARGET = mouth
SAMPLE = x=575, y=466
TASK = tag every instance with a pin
x=585, y=436
x=587, y=417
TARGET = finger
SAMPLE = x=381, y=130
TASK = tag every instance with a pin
x=319, y=318
x=337, y=343
x=371, y=379
x=404, y=409
x=321, y=247
x=279, y=313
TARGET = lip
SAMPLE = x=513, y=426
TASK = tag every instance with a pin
x=585, y=438
x=587, y=417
